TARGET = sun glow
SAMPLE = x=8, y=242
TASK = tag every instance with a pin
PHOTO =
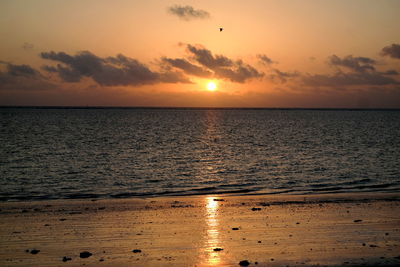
x=211, y=86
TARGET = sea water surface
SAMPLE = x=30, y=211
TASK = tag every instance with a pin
x=61, y=153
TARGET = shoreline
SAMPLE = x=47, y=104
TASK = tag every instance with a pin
x=296, y=230
x=349, y=196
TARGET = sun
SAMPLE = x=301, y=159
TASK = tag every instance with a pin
x=211, y=86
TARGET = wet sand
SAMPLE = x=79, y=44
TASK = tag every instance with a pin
x=340, y=230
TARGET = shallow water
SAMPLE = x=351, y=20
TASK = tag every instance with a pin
x=79, y=153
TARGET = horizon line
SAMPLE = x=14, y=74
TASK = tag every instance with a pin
x=190, y=108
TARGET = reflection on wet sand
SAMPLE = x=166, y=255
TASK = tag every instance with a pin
x=212, y=237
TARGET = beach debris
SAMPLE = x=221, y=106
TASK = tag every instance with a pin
x=85, y=254
x=219, y=199
x=264, y=204
x=35, y=251
x=235, y=228
x=364, y=244
x=101, y=260
x=255, y=209
x=65, y=258
x=356, y=221
x=62, y=219
x=218, y=249
x=244, y=263
x=136, y=251
x=258, y=241
x=102, y=208
x=373, y=246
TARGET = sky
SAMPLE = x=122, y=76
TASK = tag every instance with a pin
x=286, y=53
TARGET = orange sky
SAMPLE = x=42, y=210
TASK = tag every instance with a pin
x=282, y=53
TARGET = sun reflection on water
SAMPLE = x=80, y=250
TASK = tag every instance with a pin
x=212, y=238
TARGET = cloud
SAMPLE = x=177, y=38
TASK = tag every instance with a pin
x=282, y=76
x=360, y=71
x=265, y=60
x=222, y=66
x=188, y=12
x=21, y=70
x=392, y=51
x=205, y=58
x=111, y=71
x=390, y=72
x=187, y=67
x=27, y=46
x=22, y=77
x=348, y=79
x=358, y=64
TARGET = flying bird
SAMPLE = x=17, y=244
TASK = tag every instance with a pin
x=221, y=29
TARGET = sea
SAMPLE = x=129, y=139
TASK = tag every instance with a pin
x=73, y=153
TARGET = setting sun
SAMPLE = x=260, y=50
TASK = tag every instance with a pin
x=211, y=86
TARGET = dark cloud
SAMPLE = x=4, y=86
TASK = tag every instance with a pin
x=240, y=73
x=110, y=71
x=188, y=12
x=358, y=64
x=22, y=77
x=222, y=66
x=348, y=79
x=187, y=67
x=392, y=51
x=282, y=76
x=21, y=70
x=205, y=58
x=360, y=71
x=390, y=72
x=265, y=60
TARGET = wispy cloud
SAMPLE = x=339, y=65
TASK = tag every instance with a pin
x=188, y=12
x=358, y=64
x=264, y=59
x=348, y=79
x=27, y=46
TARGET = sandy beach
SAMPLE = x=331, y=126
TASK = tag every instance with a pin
x=340, y=230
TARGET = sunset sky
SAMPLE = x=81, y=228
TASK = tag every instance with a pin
x=286, y=53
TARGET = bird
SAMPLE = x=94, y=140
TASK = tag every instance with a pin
x=221, y=29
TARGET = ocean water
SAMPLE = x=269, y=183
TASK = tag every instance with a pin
x=103, y=153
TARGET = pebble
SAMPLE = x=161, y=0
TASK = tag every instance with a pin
x=218, y=249
x=244, y=263
x=85, y=254
x=256, y=209
x=64, y=259
x=35, y=251
x=136, y=251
